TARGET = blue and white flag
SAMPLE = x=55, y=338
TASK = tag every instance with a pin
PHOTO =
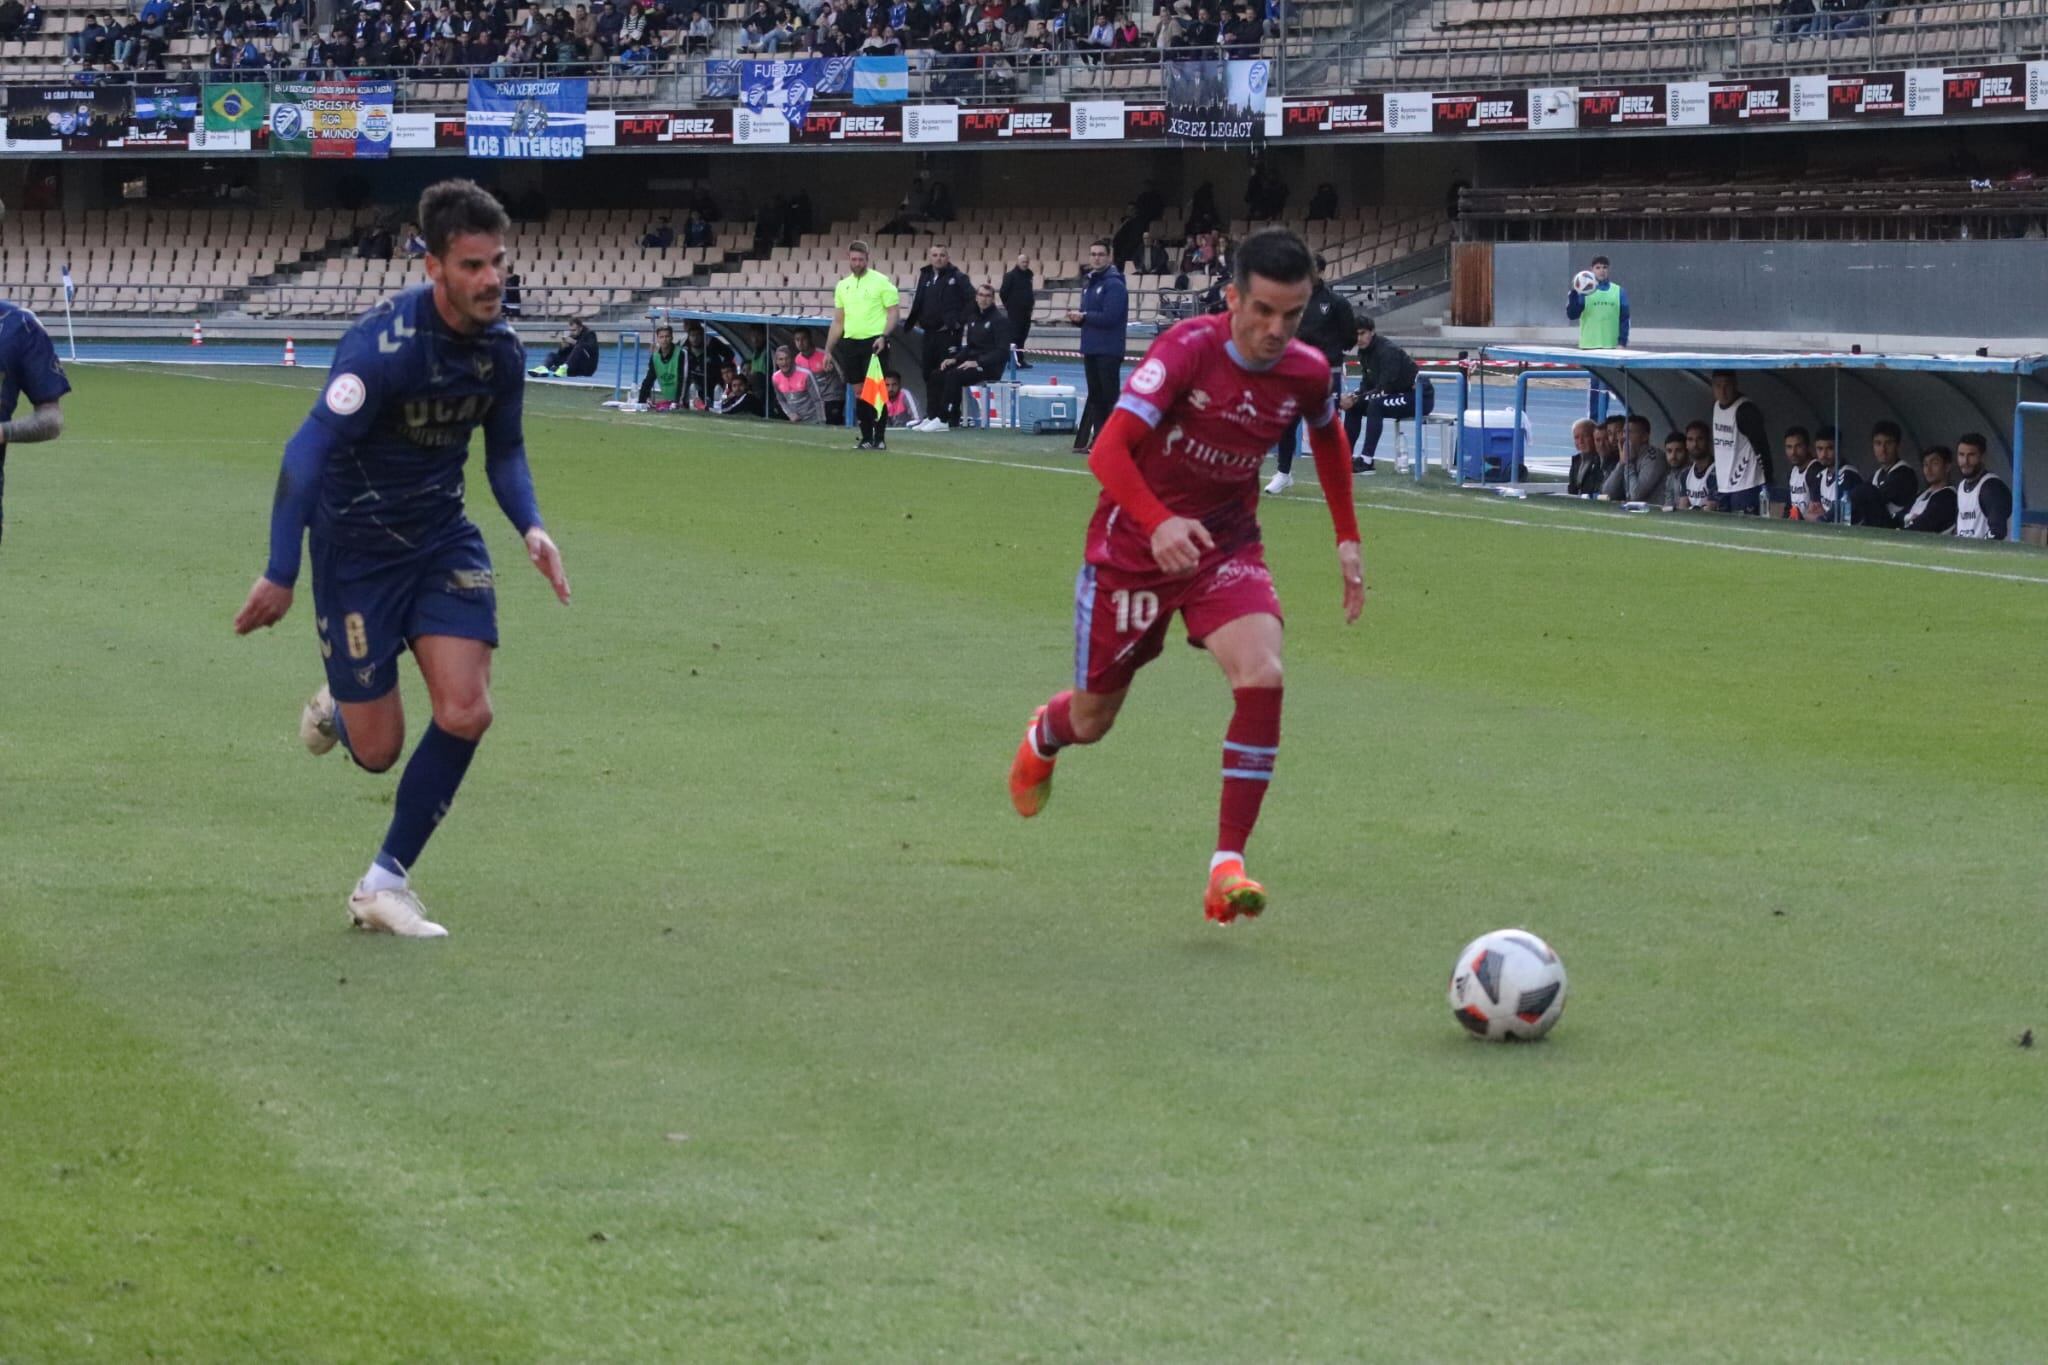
x=70, y=289
x=540, y=120
x=881, y=80
x=783, y=88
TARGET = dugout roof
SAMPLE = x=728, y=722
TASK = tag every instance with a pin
x=1933, y=398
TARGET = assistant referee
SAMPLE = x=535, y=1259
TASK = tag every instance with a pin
x=864, y=307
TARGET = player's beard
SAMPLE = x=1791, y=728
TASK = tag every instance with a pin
x=483, y=307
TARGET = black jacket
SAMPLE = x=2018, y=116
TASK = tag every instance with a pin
x=942, y=302
x=1384, y=367
x=986, y=342
x=1884, y=489
x=1018, y=294
x=1329, y=325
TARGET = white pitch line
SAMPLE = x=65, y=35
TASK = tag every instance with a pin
x=1779, y=552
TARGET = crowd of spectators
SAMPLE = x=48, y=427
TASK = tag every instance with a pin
x=246, y=37
x=1952, y=492
x=972, y=43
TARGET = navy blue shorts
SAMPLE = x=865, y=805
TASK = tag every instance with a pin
x=1748, y=502
x=367, y=608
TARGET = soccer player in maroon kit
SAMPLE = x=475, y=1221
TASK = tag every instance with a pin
x=1176, y=531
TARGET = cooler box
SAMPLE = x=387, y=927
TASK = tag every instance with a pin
x=1048, y=407
x=1486, y=446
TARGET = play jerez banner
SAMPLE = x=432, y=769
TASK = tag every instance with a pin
x=541, y=120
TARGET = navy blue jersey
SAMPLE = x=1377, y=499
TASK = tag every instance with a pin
x=28, y=362
x=402, y=397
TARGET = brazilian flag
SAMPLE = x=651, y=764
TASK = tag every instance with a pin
x=235, y=108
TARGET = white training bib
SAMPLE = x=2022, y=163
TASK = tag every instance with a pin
x=1699, y=489
x=1737, y=466
x=1801, y=497
x=1971, y=523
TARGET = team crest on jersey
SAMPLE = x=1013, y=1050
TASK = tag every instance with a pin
x=1149, y=377
x=345, y=395
x=484, y=367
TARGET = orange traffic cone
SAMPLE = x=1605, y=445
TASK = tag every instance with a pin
x=291, y=353
x=198, y=337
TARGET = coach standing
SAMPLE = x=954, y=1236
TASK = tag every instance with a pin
x=864, y=305
x=939, y=308
x=1104, y=319
x=1020, y=299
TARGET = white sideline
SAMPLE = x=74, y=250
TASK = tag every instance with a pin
x=1781, y=552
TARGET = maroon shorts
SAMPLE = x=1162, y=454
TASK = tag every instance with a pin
x=1120, y=617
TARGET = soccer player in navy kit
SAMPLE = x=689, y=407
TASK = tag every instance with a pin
x=375, y=472
x=28, y=366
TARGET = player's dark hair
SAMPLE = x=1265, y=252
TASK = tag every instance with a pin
x=1887, y=427
x=861, y=247
x=1722, y=374
x=1691, y=427
x=456, y=207
x=1636, y=419
x=1614, y=419
x=1827, y=434
x=1275, y=254
x=1368, y=325
x=1800, y=432
x=1601, y=260
x=1973, y=438
x=891, y=374
x=1671, y=436
x=1104, y=243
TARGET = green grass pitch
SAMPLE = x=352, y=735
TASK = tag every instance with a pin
x=767, y=1032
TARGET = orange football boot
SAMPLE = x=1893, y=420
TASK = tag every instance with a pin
x=1030, y=775
x=1231, y=894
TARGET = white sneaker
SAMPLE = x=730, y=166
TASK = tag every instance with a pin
x=932, y=424
x=392, y=912
x=1281, y=483
x=316, y=723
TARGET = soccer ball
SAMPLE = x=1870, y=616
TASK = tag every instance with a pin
x=1584, y=282
x=1506, y=985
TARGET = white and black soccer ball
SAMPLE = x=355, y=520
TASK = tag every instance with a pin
x=1507, y=985
x=1585, y=282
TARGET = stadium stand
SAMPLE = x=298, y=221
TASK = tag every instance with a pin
x=1878, y=205
x=983, y=243
x=156, y=261
x=1467, y=41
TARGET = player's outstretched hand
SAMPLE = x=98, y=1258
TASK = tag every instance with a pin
x=540, y=548
x=1352, y=562
x=1178, y=543
x=266, y=606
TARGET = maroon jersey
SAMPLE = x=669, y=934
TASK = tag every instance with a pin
x=1213, y=418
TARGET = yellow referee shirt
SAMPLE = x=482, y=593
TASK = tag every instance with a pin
x=866, y=300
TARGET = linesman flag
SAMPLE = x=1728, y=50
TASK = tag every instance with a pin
x=874, y=390
x=235, y=108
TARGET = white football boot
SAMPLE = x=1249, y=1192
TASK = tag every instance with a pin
x=316, y=723
x=396, y=912
x=1280, y=483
